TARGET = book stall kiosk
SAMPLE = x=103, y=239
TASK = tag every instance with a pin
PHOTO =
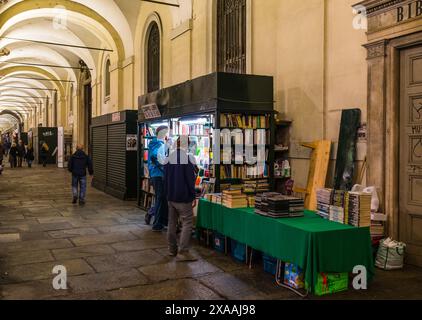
x=197, y=108
x=114, y=153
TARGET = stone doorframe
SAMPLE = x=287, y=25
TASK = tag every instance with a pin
x=383, y=154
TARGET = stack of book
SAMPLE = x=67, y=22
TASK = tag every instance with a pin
x=255, y=186
x=324, y=200
x=337, y=214
x=234, y=199
x=338, y=198
x=377, y=225
x=261, y=203
x=359, y=209
x=278, y=206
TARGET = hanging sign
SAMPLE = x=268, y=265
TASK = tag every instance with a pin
x=151, y=111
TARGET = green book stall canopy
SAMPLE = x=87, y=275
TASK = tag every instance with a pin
x=114, y=148
x=205, y=109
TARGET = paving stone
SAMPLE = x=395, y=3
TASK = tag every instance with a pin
x=102, y=238
x=49, y=227
x=178, y=270
x=234, y=288
x=40, y=271
x=25, y=257
x=107, y=280
x=121, y=228
x=137, y=245
x=35, y=245
x=9, y=237
x=69, y=233
x=186, y=289
x=84, y=251
x=125, y=260
x=33, y=290
x=27, y=236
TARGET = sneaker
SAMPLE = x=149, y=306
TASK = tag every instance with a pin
x=74, y=200
x=157, y=230
x=81, y=202
x=185, y=257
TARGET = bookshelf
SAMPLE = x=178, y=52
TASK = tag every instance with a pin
x=238, y=107
x=282, y=176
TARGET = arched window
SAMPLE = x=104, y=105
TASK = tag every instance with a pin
x=107, y=88
x=153, y=58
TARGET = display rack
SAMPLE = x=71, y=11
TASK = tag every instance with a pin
x=199, y=107
x=282, y=154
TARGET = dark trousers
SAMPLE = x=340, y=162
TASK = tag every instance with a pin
x=20, y=159
x=13, y=162
x=44, y=161
x=161, y=205
x=79, y=182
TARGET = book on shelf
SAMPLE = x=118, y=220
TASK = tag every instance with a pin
x=243, y=172
x=244, y=121
x=180, y=129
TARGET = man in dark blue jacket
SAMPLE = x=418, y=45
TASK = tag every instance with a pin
x=179, y=175
x=78, y=164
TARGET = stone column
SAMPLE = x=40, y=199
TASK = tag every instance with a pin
x=376, y=116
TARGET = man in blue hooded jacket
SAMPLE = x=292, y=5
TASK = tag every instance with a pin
x=156, y=160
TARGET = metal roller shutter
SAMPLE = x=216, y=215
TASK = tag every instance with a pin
x=99, y=153
x=116, y=157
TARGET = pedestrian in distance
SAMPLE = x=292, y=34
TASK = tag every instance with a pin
x=29, y=155
x=79, y=163
x=156, y=158
x=13, y=154
x=20, y=153
x=44, y=153
x=180, y=176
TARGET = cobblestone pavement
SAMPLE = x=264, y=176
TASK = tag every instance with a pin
x=109, y=253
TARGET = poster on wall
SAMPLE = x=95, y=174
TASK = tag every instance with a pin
x=131, y=142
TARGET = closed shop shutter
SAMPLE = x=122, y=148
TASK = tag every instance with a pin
x=116, y=157
x=99, y=153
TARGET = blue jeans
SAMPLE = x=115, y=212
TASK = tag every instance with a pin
x=161, y=206
x=81, y=183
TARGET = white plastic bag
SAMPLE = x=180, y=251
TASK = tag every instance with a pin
x=390, y=255
x=375, y=202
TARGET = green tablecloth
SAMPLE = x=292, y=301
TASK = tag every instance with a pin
x=314, y=244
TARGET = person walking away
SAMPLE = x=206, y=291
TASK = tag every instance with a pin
x=21, y=153
x=156, y=159
x=78, y=164
x=180, y=178
x=44, y=154
x=29, y=156
x=13, y=153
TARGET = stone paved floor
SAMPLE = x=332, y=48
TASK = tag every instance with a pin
x=110, y=254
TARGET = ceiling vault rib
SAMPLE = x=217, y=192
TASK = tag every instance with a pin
x=58, y=44
x=41, y=79
x=29, y=88
x=41, y=65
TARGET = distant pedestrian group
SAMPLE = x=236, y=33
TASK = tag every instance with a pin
x=16, y=153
